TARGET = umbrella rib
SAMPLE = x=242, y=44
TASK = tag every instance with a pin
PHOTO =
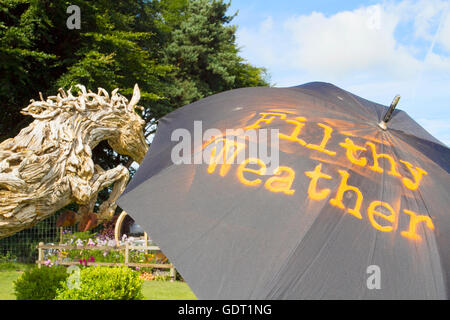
x=287, y=263
x=391, y=139
x=305, y=91
x=374, y=232
x=395, y=152
x=428, y=241
x=360, y=104
x=291, y=255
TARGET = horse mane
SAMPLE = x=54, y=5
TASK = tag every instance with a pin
x=55, y=114
x=49, y=163
x=52, y=115
x=85, y=101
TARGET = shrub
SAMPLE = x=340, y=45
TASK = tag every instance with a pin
x=40, y=284
x=104, y=283
x=9, y=262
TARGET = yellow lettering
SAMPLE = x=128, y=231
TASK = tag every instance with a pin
x=372, y=212
x=343, y=187
x=265, y=119
x=260, y=172
x=294, y=135
x=279, y=183
x=222, y=156
x=326, y=136
x=417, y=174
x=376, y=157
x=351, y=150
x=415, y=219
x=312, y=189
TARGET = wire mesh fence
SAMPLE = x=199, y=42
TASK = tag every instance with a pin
x=21, y=247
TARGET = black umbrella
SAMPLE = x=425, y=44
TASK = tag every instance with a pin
x=352, y=210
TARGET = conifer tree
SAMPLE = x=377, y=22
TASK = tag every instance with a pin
x=178, y=51
x=204, y=50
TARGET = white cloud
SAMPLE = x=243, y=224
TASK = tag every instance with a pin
x=444, y=36
x=427, y=15
x=347, y=42
x=375, y=51
x=438, y=62
x=359, y=42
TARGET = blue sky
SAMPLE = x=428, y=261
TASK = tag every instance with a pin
x=375, y=49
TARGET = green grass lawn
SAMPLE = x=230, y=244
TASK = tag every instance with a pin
x=6, y=284
x=164, y=290
x=152, y=290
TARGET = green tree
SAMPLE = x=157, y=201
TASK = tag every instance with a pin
x=24, y=34
x=204, y=50
x=117, y=46
x=178, y=51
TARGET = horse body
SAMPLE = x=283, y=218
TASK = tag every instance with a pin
x=49, y=163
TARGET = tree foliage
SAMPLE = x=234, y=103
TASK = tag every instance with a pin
x=178, y=51
x=204, y=50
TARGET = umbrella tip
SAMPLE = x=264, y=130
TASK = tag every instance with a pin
x=388, y=115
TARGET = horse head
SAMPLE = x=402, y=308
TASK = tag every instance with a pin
x=90, y=117
x=130, y=139
x=49, y=163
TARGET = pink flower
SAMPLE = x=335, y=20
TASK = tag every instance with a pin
x=48, y=263
x=112, y=243
x=83, y=261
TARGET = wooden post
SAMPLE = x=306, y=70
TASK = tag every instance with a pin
x=118, y=226
x=146, y=242
x=127, y=251
x=60, y=235
x=40, y=254
x=173, y=274
x=124, y=248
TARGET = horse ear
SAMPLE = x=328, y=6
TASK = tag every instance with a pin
x=104, y=92
x=82, y=88
x=135, y=98
x=39, y=110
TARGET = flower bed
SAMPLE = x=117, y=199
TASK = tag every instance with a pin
x=87, y=249
x=98, y=283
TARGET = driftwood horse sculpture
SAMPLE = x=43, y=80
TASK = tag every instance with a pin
x=49, y=163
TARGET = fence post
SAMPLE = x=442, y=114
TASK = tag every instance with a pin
x=40, y=254
x=146, y=242
x=173, y=274
x=127, y=250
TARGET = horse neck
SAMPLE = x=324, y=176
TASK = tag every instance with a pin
x=91, y=130
x=66, y=128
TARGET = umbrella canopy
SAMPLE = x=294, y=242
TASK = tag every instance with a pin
x=349, y=211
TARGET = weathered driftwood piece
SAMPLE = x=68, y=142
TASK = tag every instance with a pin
x=49, y=163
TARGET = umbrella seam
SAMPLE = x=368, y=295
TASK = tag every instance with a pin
x=422, y=200
x=284, y=266
x=312, y=262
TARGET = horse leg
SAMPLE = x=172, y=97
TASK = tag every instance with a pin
x=85, y=193
x=89, y=207
x=119, y=176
